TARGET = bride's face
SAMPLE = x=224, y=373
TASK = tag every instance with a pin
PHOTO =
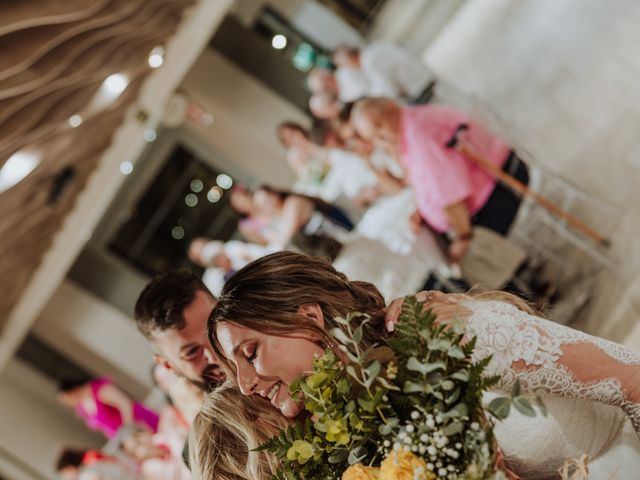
x=266, y=365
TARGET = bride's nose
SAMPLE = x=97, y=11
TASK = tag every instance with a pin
x=247, y=382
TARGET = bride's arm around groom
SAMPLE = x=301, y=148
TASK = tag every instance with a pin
x=547, y=358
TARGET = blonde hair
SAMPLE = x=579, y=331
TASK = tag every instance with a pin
x=229, y=426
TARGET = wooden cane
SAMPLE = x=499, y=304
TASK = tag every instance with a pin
x=521, y=188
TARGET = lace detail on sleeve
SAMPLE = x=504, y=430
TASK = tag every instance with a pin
x=534, y=351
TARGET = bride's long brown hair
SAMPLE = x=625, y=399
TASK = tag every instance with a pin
x=266, y=294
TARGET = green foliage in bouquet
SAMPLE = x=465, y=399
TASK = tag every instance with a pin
x=419, y=393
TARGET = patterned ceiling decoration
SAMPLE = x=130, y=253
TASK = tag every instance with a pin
x=69, y=71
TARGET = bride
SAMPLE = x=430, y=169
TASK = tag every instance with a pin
x=275, y=314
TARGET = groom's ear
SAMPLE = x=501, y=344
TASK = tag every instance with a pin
x=313, y=312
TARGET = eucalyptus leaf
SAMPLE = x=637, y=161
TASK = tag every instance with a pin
x=352, y=372
x=412, y=387
x=515, y=391
x=373, y=369
x=356, y=455
x=357, y=335
x=447, y=385
x=456, y=352
x=452, y=428
x=523, y=405
x=387, y=428
x=500, y=407
x=541, y=405
x=415, y=365
x=453, y=397
x=462, y=375
x=338, y=456
x=386, y=384
x=439, y=344
x=339, y=335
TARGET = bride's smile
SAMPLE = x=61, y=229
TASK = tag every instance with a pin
x=266, y=365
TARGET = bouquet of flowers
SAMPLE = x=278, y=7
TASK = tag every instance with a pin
x=411, y=409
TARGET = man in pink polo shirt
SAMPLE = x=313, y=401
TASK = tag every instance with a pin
x=452, y=192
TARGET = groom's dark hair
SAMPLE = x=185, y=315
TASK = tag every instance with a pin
x=161, y=304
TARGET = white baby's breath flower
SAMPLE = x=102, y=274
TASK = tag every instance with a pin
x=424, y=438
x=415, y=415
x=409, y=428
x=442, y=472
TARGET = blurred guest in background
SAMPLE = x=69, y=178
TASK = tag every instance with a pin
x=88, y=464
x=325, y=105
x=322, y=80
x=282, y=218
x=222, y=259
x=381, y=69
x=183, y=396
x=158, y=455
x=452, y=192
x=106, y=408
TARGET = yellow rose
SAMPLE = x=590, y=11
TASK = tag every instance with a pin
x=404, y=465
x=360, y=472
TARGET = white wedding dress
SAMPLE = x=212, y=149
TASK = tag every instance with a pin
x=591, y=415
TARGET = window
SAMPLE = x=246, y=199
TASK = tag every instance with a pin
x=187, y=198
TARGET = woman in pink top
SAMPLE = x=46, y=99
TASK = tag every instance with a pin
x=452, y=192
x=106, y=408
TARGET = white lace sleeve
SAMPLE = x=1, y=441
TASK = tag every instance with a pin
x=555, y=360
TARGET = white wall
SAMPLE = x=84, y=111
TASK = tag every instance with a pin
x=33, y=427
x=97, y=336
x=246, y=114
x=412, y=23
x=562, y=76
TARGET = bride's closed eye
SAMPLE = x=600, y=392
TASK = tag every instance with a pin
x=251, y=352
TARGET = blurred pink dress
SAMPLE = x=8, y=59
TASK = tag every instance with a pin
x=107, y=419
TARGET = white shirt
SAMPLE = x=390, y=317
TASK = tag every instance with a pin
x=240, y=253
x=392, y=71
x=352, y=84
x=348, y=176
